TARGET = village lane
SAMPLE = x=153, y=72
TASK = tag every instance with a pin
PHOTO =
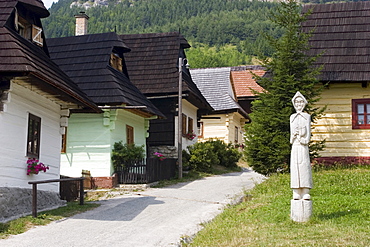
x=154, y=217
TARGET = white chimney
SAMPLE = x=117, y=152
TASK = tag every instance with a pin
x=81, y=23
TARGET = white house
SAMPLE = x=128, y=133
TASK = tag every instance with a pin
x=36, y=97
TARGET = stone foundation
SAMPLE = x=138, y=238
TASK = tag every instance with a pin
x=105, y=182
x=167, y=151
x=17, y=202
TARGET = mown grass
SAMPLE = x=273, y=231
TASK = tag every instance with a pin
x=341, y=214
x=22, y=224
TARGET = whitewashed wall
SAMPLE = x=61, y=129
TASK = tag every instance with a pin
x=90, y=139
x=13, y=138
x=190, y=111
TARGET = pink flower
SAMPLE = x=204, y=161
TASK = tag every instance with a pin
x=159, y=156
x=34, y=166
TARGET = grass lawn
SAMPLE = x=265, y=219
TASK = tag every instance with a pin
x=341, y=214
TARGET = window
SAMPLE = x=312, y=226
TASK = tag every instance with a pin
x=129, y=134
x=184, y=130
x=33, y=137
x=190, y=125
x=28, y=30
x=236, y=137
x=361, y=114
x=116, y=61
x=200, y=129
x=24, y=28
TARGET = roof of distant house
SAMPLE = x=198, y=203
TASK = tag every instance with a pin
x=85, y=59
x=341, y=33
x=215, y=85
x=244, y=82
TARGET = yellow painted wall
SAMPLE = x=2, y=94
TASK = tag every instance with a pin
x=336, y=124
x=223, y=128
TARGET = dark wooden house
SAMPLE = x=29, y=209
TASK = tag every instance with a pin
x=152, y=66
x=341, y=34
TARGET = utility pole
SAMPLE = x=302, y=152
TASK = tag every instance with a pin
x=179, y=118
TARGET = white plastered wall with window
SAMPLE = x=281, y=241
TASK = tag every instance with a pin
x=13, y=139
x=190, y=111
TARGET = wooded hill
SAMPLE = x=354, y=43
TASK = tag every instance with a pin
x=222, y=33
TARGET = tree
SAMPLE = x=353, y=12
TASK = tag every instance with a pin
x=289, y=70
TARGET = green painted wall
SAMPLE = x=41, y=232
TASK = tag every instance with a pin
x=90, y=139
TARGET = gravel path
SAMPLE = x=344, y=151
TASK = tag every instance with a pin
x=154, y=217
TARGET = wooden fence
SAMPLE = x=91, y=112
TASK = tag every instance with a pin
x=137, y=172
x=34, y=190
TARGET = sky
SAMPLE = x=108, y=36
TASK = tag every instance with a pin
x=48, y=3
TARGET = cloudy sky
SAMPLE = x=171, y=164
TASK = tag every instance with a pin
x=48, y=3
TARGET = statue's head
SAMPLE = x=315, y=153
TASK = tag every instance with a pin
x=299, y=102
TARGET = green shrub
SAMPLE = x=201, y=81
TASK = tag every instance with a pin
x=204, y=156
x=185, y=161
x=123, y=153
x=227, y=154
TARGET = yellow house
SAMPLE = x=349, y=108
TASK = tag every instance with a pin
x=341, y=34
x=227, y=121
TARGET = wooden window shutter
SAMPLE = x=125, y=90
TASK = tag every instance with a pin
x=116, y=62
x=64, y=142
x=36, y=35
x=129, y=134
x=184, y=129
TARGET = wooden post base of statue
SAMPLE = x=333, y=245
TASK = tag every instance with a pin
x=300, y=210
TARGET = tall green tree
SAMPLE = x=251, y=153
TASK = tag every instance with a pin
x=289, y=70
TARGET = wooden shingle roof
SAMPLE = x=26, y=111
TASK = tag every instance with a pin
x=27, y=63
x=35, y=6
x=342, y=34
x=215, y=85
x=153, y=65
x=85, y=59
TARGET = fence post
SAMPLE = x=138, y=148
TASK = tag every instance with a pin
x=34, y=200
x=82, y=191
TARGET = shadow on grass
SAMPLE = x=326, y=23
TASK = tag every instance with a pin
x=338, y=214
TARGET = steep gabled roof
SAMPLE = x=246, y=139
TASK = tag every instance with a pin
x=215, y=85
x=153, y=65
x=23, y=60
x=85, y=59
x=342, y=34
x=244, y=82
x=35, y=6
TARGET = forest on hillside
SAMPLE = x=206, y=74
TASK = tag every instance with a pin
x=221, y=32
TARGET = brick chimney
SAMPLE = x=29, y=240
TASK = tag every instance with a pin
x=81, y=23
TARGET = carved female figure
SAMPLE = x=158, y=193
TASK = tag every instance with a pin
x=300, y=166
